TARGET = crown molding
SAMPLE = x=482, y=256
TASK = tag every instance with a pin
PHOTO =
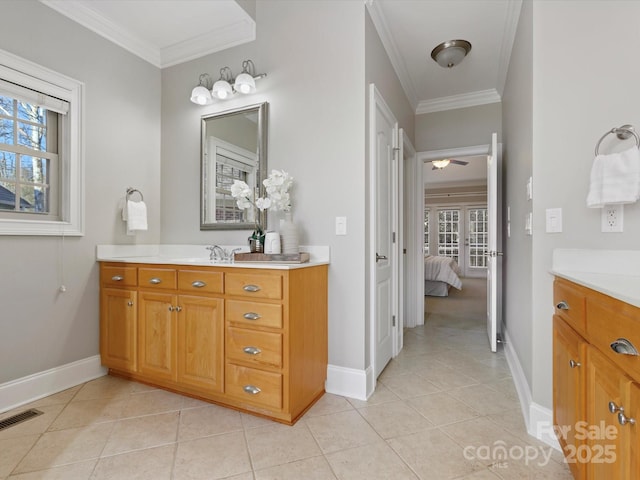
x=229, y=36
x=377, y=16
x=508, y=37
x=464, y=100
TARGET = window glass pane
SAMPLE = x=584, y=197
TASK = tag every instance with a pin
x=6, y=131
x=6, y=106
x=7, y=196
x=32, y=136
x=34, y=169
x=7, y=165
x=34, y=199
x=32, y=113
x=478, y=237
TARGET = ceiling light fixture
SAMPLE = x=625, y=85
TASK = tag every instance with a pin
x=226, y=85
x=451, y=53
x=441, y=163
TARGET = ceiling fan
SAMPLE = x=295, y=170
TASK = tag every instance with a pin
x=440, y=164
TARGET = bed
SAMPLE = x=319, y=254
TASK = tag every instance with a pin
x=440, y=274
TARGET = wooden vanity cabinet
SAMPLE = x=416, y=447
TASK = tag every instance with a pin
x=596, y=384
x=251, y=339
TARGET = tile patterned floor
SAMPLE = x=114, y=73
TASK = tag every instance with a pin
x=440, y=410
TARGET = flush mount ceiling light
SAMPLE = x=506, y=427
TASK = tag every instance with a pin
x=449, y=54
x=226, y=86
x=440, y=163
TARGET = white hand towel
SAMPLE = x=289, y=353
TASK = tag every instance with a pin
x=615, y=179
x=135, y=214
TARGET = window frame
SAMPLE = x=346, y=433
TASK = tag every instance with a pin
x=71, y=181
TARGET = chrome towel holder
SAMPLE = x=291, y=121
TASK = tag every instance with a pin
x=131, y=191
x=623, y=133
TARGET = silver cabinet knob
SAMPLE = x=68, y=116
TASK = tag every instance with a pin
x=613, y=408
x=251, y=316
x=574, y=364
x=251, y=288
x=623, y=420
x=562, y=305
x=130, y=303
x=251, y=350
x=155, y=281
x=198, y=284
x=117, y=278
x=170, y=308
x=178, y=308
x=251, y=389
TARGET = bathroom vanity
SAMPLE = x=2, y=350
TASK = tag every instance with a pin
x=248, y=336
x=596, y=367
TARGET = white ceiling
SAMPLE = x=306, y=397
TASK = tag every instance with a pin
x=166, y=32
x=169, y=32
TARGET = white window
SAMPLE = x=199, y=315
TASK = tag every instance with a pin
x=449, y=233
x=427, y=213
x=478, y=237
x=41, y=184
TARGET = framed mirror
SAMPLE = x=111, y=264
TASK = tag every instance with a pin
x=234, y=147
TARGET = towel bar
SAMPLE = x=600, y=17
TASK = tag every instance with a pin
x=131, y=191
x=624, y=132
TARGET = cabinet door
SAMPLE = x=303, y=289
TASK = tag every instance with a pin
x=607, y=439
x=569, y=364
x=118, y=326
x=157, y=335
x=201, y=342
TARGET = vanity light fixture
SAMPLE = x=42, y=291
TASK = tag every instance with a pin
x=201, y=94
x=451, y=53
x=226, y=86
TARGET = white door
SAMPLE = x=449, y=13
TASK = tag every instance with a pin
x=494, y=256
x=384, y=136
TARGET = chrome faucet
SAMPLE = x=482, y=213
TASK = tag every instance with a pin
x=218, y=253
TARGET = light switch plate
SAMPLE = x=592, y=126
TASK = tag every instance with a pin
x=554, y=220
x=530, y=188
x=341, y=225
x=528, y=224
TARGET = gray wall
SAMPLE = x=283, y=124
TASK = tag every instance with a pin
x=583, y=86
x=462, y=127
x=316, y=132
x=41, y=328
x=517, y=160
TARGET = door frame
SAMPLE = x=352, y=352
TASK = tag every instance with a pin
x=416, y=286
x=377, y=100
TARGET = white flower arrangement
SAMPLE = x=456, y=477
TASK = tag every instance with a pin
x=277, y=186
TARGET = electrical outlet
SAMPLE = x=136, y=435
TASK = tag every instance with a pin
x=612, y=218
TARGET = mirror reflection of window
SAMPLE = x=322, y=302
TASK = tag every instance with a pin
x=233, y=148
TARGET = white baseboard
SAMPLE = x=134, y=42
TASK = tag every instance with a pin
x=42, y=384
x=350, y=382
x=538, y=419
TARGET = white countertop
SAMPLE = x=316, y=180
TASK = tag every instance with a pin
x=612, y=272
x=198, y=255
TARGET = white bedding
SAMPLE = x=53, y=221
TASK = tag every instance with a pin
x=442, y=269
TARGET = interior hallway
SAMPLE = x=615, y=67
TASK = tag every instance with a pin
x=443, y=393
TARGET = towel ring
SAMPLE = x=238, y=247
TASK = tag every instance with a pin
x=624, y=132
x=131, y=191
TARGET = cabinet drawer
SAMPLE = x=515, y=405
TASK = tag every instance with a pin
x=196, y=281
x=605, y=325
x=119, y=276
x=254, y=313
x=157, y=278
x=570, y=304
x=254, y=386
x=254, y=285
x=252, y=346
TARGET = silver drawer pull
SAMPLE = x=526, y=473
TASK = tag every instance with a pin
x=251, y=350
x=562, y=305
x=613, y=408
x=251, y=316
x=251, y=389
x=624, y=347
x=574, y=364
x=117, y=278
x=251, y=288
x=155, y=281
x=198, y=284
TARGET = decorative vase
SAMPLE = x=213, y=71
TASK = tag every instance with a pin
x=289, y=235
x=256, y=242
